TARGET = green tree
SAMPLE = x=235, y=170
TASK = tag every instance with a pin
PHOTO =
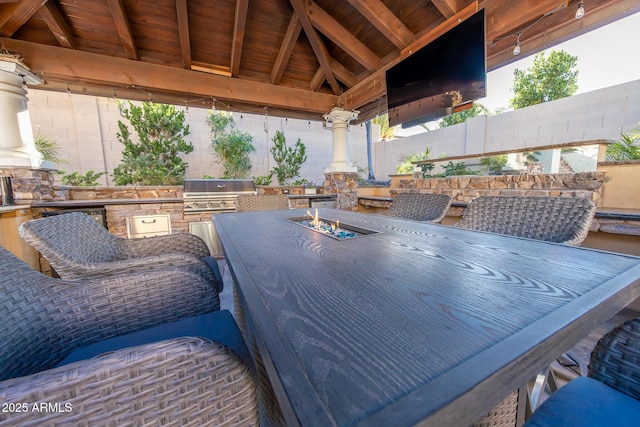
x=386, y=132
x=550, y=78
x=154, y=159
x=494, y=164
x=288, y=159
x=232, y=146
x=463, y=116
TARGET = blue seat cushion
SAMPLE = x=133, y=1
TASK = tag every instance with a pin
x=586, y=402
x=216, y=326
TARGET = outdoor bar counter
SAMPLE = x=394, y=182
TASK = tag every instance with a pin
x=414, y=324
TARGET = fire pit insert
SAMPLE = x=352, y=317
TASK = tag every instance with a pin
x=334, y=229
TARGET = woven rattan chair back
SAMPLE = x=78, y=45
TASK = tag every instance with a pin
x=420, y=206
x=75, y=235
x=261, y=202
x=553, y=219
x=44, y=318
x=26, y=319
x=615, y=359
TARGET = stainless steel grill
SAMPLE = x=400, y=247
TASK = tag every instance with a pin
x=214, y=195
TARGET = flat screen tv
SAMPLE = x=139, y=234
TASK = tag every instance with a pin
x=444, y=76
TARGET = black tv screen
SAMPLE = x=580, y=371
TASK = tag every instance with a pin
x=444, y=75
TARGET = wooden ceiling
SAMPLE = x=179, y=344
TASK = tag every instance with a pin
x=290, y=58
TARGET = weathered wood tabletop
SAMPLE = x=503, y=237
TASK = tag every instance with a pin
x=419, y=324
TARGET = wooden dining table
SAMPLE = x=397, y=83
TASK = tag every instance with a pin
x=409, y=323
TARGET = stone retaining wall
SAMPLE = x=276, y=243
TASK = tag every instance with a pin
x=465, y=188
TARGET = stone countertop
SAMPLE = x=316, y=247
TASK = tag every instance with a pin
x=101, y=202
x=311, y=196
x=13, y=208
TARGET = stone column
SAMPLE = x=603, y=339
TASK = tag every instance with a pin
x=340, y=119
x=17, y=148
x=341, y=177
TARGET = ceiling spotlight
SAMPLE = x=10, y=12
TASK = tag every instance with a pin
x=580, y=10
x=516, y=48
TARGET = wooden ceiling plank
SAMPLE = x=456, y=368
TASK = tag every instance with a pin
x=289, y=42
x=448, y=8
x=318, y=46
x=385, y=21
x=123, y=27
x=183, y=32
x=57, y=24
x=342, y=37
x=374, y=86
x=73, y=65
x=506, y=17
x=15, y=15
x=239, y=25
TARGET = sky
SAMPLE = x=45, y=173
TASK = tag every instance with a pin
x=607, y=56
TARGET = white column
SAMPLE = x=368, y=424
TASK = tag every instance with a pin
x=16, y=135
x=340, y=119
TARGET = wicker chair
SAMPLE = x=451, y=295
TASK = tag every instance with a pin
x=609, y=396
x=78, y=247
x=147, y=380
x=428, y=207
x=262, y=202
x=553, y=219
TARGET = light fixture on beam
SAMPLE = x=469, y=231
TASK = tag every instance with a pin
x=516, y=48
x=580, y=10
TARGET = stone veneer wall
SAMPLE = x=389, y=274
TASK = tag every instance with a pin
x=345, y=186
x=465, y=188
x=169, y=202
x=32, y=184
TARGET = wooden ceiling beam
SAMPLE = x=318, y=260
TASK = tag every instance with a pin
x=342, y=37
x=317, y=80
x=340, y=71
x=123, y=27
x=60, y=64
x=57, y=25
x=500, y=53
x=343, y=74
x=286, y=48
x=15, y=15
x=507, y=17
x=385, y=21
x=183, y=32
x=239, y=24
x=374, y=86
x=318, y=46
x=448, y=8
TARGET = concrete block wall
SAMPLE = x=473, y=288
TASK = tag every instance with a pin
x=601, y=114
x=85, y=128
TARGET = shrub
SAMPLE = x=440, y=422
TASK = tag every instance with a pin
x=230, y=145
x=626, y=148
x=89, y=179
x=288, y=159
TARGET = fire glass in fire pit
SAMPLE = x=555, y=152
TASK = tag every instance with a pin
x=329, y=228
